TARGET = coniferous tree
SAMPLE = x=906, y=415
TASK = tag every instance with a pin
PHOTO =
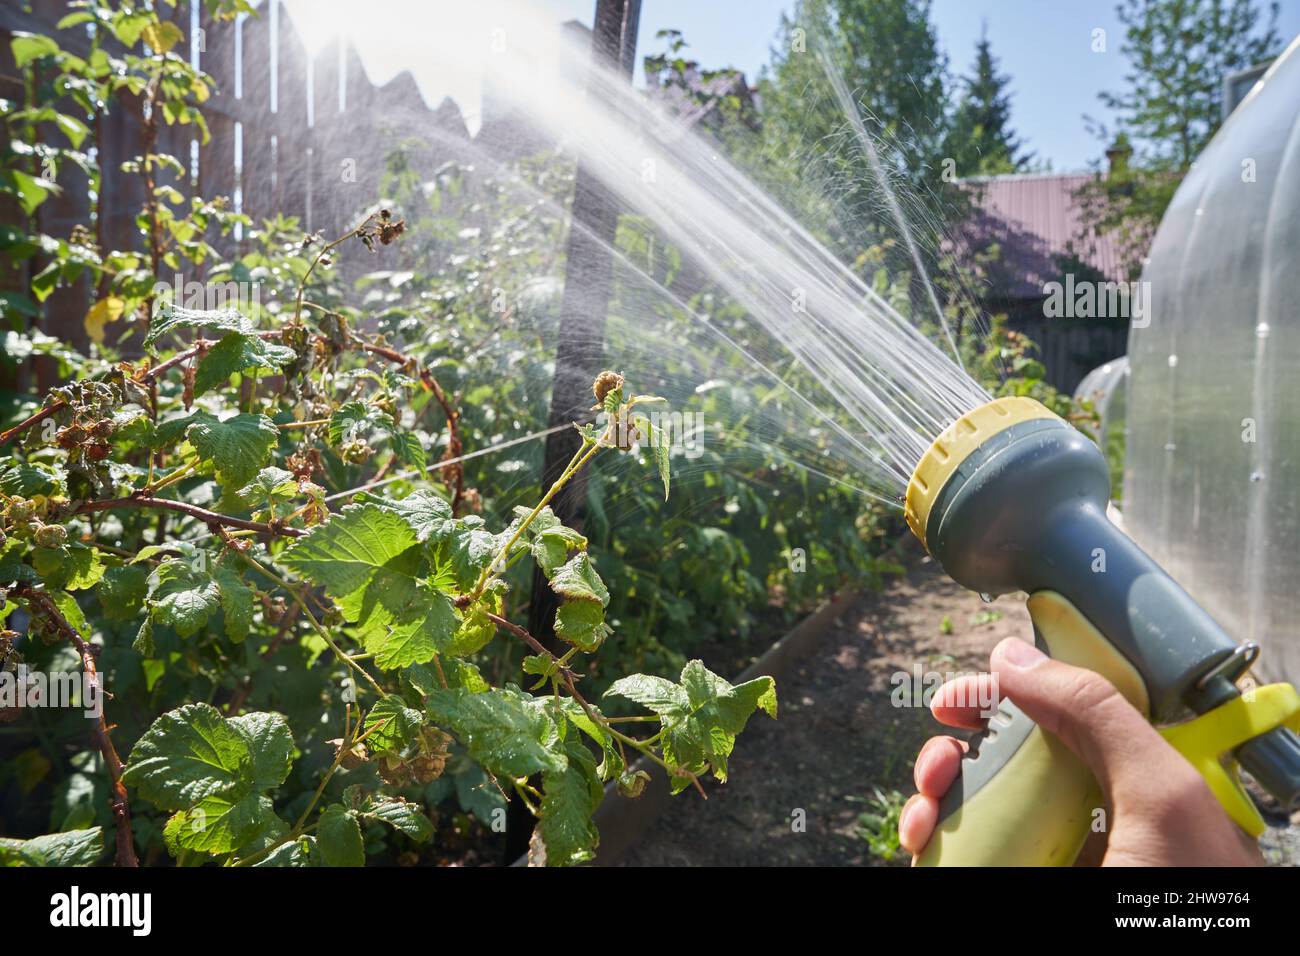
x=981, y=140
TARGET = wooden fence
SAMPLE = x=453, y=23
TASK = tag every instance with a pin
x=305, y=136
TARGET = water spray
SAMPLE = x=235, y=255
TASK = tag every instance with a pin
x=1013, y=498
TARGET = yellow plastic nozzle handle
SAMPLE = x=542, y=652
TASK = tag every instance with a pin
x=1038, y=807
x=1205, y=739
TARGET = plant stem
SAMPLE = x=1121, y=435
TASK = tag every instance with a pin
x=302, y=286
x=42, y=602
x=211, y=518
x=311, y=619
x=298, y=828
x=171, y=479
x=44, y=413
x=580, y=458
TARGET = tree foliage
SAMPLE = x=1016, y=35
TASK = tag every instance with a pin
x=981, y=140
x=1180, y=52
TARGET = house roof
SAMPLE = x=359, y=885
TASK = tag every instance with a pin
x=1034, y=220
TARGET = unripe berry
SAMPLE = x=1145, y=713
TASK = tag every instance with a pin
x=51, y=536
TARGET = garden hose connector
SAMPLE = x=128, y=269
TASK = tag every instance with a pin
x=1013, y=498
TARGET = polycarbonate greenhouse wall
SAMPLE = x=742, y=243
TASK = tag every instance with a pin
x=1212, y=475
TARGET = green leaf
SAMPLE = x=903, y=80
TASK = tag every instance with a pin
x=653, y=693
x=338, y=835
x=303, y=851
x=349, y=420
x=271, y=745
x=127, y=27
x=360, y=557
x=468, y=548
x=237, y=446
x=276, y=491
x=75, y=19
x=659, y=444
x=582, y=624
x=569, y=798
x=26, y=480
x=701, y=716
x=459, y=674
x=473, y=632
x=192, y=753
x=269, y=485
x=718, y=713
x=236, y=603
x=122, y=591
x=143, y=643
x=578, y=580
x=732, y=705
x=612, y=765
x=74, y=129
x=182, y=597
x=400, y=724
x=426, y=513
x=73, y=848
x=30, y=46
x=239, y=352
x=12, y=566
x=508, y=732
x=551, y=540
x=344, y=554
x=218, y=824
x=71, y=610
x=73, y=567
x=402, y=816
x=162, y=35
x=408, y=449
x=30, y=190
x=186, y=755
x=402, y=620
x=173, y=318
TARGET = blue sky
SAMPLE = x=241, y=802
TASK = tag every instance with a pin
x=1045, y=46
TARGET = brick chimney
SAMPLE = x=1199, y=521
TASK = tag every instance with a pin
x=1117, y=155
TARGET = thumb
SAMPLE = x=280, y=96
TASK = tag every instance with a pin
x=1088, y=714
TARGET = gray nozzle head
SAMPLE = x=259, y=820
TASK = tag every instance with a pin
x=990, y=525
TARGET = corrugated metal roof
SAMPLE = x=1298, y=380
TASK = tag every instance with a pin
x=1034, y=220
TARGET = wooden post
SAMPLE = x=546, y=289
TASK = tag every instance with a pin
x=580, y=352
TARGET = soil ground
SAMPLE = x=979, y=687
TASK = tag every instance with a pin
x=841, y=736
x=842, y=695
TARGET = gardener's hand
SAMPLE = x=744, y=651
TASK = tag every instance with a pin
x=1161, y=811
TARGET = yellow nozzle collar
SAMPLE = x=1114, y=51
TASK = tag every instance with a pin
x=953, y=446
